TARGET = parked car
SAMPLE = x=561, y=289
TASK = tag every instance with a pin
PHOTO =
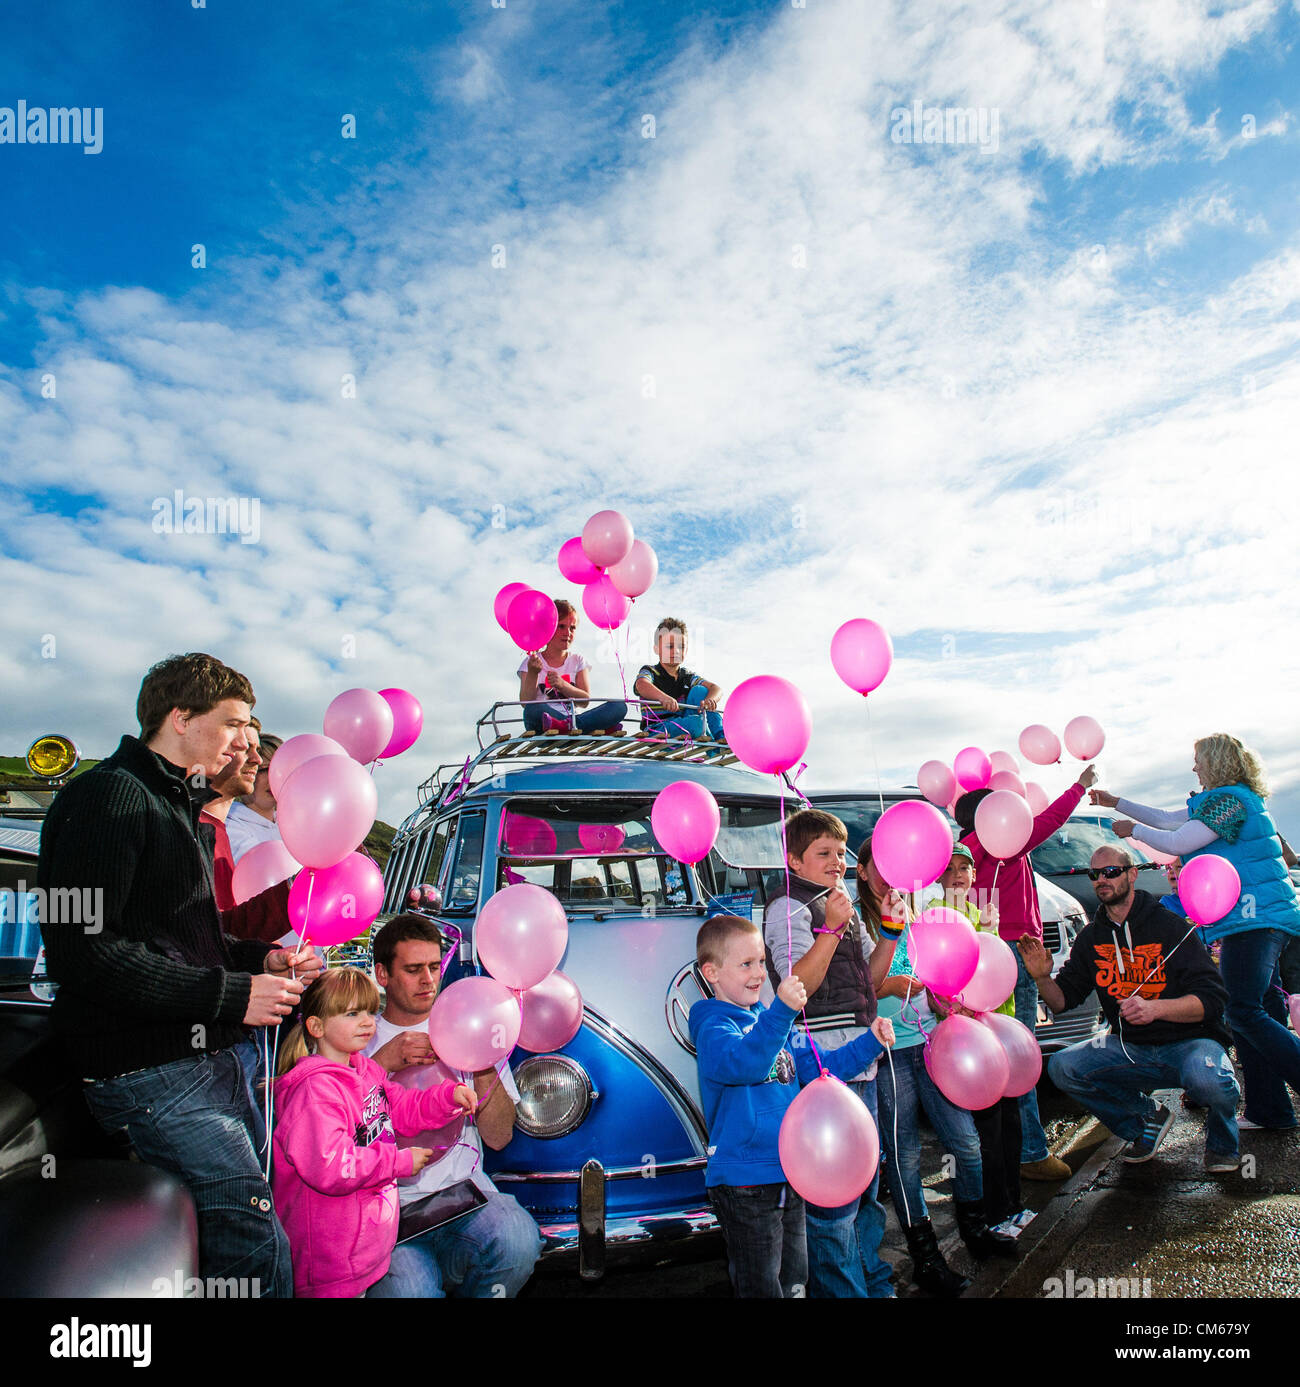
x=1062, y=916
x=78, y=1216
x=1064, y=858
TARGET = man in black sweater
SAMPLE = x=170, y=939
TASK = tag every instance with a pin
x=1164, y=1000
x=154, y=995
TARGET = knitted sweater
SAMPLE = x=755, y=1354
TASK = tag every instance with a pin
x=133, y=936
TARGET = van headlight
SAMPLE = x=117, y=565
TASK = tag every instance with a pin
x=555, y=1095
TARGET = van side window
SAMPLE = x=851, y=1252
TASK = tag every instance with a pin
x=437, y=851
x=462, y=892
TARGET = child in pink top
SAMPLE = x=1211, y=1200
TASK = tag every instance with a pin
x=336, y=1160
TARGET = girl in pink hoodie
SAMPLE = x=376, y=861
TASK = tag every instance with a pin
x=336, y=1160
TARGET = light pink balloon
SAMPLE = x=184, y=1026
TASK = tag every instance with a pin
x=968, y=1063
x=972, y=768
x=1007, y=780
x=1208, y=887
x=1164, y=858
x=768, y=723
x=337, y=903
x=441, y=1140
x=1084, y=738
x=521, y=935
x=943, y=948
x=326, y=808
x=685, y=819
x=605, y=606
x=1293, y=1007
x=361, y=722
x=574, y=564
x=1004, y=761
x=475, y=1023
x=408, y=721
x=306, y=746
x=1003, y=823
x=862, y=653
x=1036, y=796
x=828, y=1144
x=601, y=837
x=552, y=1014
x=636, y=571
x=1024, y=1058
x=1040, y=745
x=264, y=865
x=524, y=836
x=501, y=603
x=531, y=619
x=937, y=783
x=994, y=979
x=911, y=844
x=606, y=538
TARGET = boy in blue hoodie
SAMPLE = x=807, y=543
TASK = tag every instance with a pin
x=748, y=1078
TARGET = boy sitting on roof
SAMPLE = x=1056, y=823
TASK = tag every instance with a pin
x=673, y=689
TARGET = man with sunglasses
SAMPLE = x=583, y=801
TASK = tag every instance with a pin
x=1164, y=1000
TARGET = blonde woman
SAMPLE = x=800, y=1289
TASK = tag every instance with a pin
x=1228, y=817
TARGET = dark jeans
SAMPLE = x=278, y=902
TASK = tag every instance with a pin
x=1268, y=1051
x=193, y=1118
x=596, y=719
x=767, y=1253
x=999, y=1133
x=1033, y=1140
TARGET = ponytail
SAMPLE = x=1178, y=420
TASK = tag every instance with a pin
x=293, y=1047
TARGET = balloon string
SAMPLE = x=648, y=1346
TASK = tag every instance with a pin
x=268, y=1097
x=871, y=745
x=306, y=924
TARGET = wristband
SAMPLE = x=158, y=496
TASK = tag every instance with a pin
x=838, y=933
x=887, y=933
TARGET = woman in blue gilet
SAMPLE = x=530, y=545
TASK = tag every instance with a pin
x=1228, y=818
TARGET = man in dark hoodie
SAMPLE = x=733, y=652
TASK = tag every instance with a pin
x=1164, y=1000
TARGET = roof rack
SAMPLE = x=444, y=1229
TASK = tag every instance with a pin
x=501, y=738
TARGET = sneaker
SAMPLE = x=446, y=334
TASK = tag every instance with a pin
x=615, y=731
x=1218, y=1163
x=1153, y=1133
x=1049, y=1168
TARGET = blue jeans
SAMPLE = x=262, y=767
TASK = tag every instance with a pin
x=1268, y=1051
x=844, y=1261
x=1033, y=1140
x=901, y=1091
x=192, y=1117
x=763, y=1225
x=692, y=724
x=591, y=720
x=487, y=1255
x=1114, y=1086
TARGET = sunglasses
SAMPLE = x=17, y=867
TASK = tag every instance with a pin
x=1110, y=873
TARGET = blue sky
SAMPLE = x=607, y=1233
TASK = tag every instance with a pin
x=1032, y=405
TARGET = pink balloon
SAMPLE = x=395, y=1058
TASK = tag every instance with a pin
x=994, y=979
x=685, y=819
x=337, y=903
x=937, y=783
x=1208, y=887
x=828, y=1144
x=1293, y=1008
x=635, y=572
x=1007, y=780
x=1004, y=761
x=408, y=721
x=1003, y=823
x=601, y=837
x=911, y=844
x=972, y=768
x=1164, y=858
x=524, y=836
x=574, y=564
x=521, y=935
x=326, y=808
x=531, y=619
x=1084, y=738
x=264, y=865
x=768, y=723
x=968, y=1063
x=361, y=722
x=475, y=1023
x=605, y=606
x=306, y=746
x=606, y=538
x=552, y=1013
x=943, y=947
x=1040, y=745
x=1024, y=1058
x=441, y=1140
x=1036, y=796
x=862, y=653
x=501, y=603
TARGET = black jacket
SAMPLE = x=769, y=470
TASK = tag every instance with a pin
x=1153, y=954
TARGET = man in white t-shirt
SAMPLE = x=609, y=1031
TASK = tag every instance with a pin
x=490, y=1251
x=551, y=680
